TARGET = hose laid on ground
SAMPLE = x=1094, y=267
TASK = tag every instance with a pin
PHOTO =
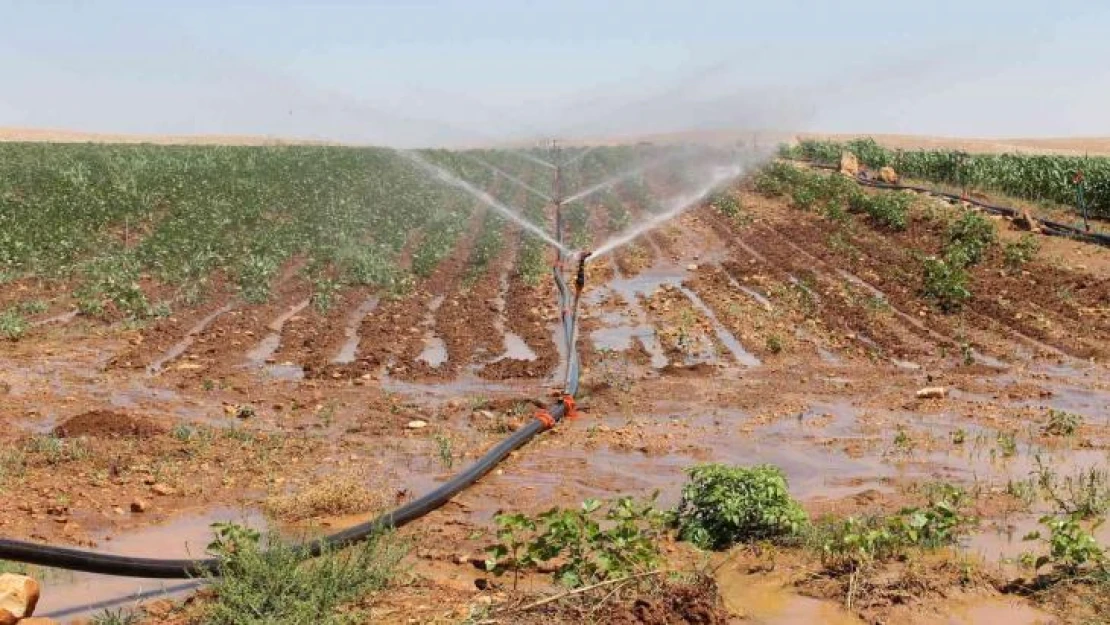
x=1053, y=228
x=130, y=566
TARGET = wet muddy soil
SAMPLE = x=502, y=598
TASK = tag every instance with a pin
x=763, y=341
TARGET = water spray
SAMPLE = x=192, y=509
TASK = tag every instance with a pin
x=447, y=177
x=677, y=206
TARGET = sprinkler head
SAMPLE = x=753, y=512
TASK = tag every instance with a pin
x=581, y=279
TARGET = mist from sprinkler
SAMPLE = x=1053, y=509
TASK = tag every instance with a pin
x=621, y=177
x=676, y=206
x=524, y=185
x=447, y=177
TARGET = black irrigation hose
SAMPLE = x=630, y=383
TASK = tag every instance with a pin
x=129, y=566
x=1053, y=228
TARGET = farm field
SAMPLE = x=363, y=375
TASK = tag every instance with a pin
x=299, y=337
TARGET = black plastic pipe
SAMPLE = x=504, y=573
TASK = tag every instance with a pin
x=1054, y=228
x=130, y=566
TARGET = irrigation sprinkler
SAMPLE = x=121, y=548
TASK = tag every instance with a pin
x=1080, y=200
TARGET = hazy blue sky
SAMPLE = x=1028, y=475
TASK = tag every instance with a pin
x=404, y=72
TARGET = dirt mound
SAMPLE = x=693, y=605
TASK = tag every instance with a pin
x=665, y=603
x=107, y=424
x=698, y=603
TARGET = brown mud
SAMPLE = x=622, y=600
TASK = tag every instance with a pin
x=841, y=342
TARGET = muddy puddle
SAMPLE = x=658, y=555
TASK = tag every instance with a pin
x=351, y=337
x=619, y=328
x=262, y=353
x=190, y=337
x=515, y=347
x=767, y=600
x=81, y=595
x=434, y=353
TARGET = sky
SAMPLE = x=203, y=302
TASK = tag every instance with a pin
x=447, y=72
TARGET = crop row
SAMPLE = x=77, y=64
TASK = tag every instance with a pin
x=1028, y=176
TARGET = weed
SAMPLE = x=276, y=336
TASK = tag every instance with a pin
x=728, y=204
x=12, y=325
x=959, y=437
x=445, y=446
x=183, y=432
x=591, y=543
x=722, y=505
x=1007, y=444
x=774, y=344
x=324, y=293
x=1086, y=493
x=32, y=307
x=122, y=616
x=903, y=442
x=1062, y=423
x=262, y=580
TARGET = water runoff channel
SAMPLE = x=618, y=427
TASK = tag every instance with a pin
x=568, y=293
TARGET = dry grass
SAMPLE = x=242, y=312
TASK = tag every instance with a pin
x=331, y=497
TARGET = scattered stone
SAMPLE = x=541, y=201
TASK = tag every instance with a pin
x=1026, y=221
x=691, y=267
x=139, y=505
x=416, y=424
x=162, y=489
x=849, y=164
x=888, y=175
x=18, y=596
x=932, y=392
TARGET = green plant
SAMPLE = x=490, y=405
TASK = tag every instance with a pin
x=1062, y=423
x=970, y=236
x=959, y=436
x=903, y=442
x=888, y=210
x=12, y=325
x=325, y=291
x=722, y=505
x=774, y=344
x=32, y=307
x=446, y=447
x=1085, y=493
x=591, y=543
x=1017, y=253
x=1071, y=547
x=183, y=432
x=262, y=580
x=1007, y=444
x=945, y=283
